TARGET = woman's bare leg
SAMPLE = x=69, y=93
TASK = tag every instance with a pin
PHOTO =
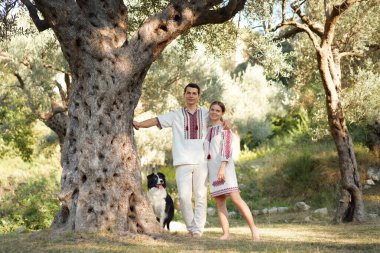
x=223, y=216
x=246, y=213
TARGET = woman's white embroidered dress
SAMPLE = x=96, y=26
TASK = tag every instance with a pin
x=218, y=148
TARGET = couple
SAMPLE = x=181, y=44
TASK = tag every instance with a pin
x=199, y=152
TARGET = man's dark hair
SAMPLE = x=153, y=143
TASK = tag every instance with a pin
x=192, y=85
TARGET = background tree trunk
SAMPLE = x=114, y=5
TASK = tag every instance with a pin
x=375, y=137
x=351, y=207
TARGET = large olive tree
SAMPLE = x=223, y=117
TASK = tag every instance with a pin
x=101, y=181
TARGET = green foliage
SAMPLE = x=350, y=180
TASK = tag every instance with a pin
x=163, y=86
x=28, y=189
x=262, y=169
x=360, y=101
x=285, y=170
x=140, y=10
x=251, y=101
x=271, y=55
x=291, y=124
x=33, y=204
x=8, y=19
x=16, y=129
x=27, y=72
x=302, y=177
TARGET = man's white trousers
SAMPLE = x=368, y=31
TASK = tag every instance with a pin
x=193, y=178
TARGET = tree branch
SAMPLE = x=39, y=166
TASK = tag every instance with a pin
x=220, y=15
x=316, y=28
x=361, y=54
x=49, y=66
x=210, y=3
x=338, y=9
x=62, y=93
x=41, y=25
x=327, y=8
x=298, y=28
x=289, y=33
x=351, y=53
x=3, y=97
x=283, y=10
x=332, y=19
x=20, y=80
x=68, y=86
x=4, y=56
x=23, y=87
x=56, y=121
x=180, y=15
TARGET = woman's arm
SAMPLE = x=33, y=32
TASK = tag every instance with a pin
x=222, y=171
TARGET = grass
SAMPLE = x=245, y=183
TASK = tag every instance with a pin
x=275, y=238
x=292, y=172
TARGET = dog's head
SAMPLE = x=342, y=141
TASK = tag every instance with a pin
x=156, y=180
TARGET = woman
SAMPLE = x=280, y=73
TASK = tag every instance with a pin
x=223, y=182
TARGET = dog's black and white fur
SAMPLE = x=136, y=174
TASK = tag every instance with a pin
x=161, y=201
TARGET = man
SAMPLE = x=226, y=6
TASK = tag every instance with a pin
x=189, y=126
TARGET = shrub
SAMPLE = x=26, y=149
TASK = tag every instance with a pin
x=286, y=170
x=33, y=205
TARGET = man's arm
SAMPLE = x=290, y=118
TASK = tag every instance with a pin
x=227, y=125
x=145, y=124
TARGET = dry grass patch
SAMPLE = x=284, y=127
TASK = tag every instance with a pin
x=275, y=238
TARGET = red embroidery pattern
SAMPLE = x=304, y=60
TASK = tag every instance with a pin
x=218, y=182
x=212, y=131
x=227, y=144
x=210, y=134
x=224, y=191
x=192, y=124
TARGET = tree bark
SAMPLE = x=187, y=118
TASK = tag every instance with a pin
x=375, y=137
x=101, y=183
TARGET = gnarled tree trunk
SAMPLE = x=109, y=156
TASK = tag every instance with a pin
x=101, y=181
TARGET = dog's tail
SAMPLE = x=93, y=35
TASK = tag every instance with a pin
x=169, y=209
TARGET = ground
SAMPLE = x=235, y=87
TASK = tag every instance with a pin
x=319, y=236
x=286, y=232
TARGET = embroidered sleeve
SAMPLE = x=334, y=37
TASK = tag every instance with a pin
x=227, y=145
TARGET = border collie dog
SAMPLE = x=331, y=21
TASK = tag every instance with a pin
x=161, y=201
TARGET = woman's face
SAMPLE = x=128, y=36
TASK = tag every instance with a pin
x=215, y=112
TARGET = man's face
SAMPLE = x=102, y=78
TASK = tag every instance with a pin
x=191, y=96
